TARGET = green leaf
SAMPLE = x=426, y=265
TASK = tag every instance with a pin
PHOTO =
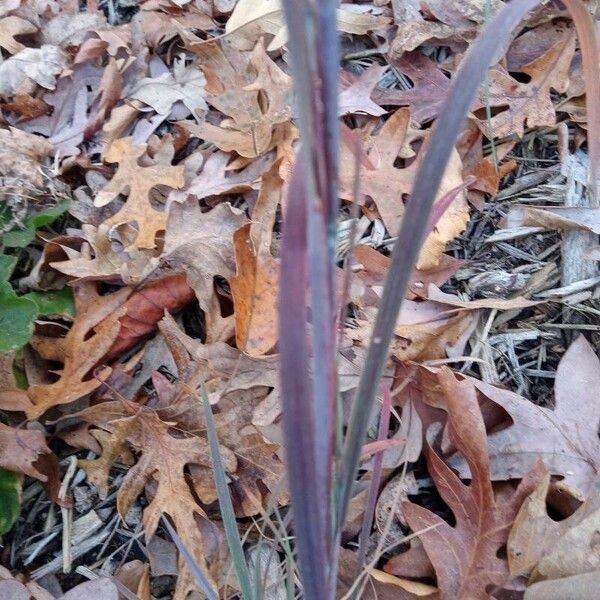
x=10, y=499
x=54, y=303
x=22, y=237
x=16, y=314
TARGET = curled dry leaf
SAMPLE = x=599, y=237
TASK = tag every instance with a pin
x=466, y=557
x=254, y=287
x=20, y=73
x=565, y=437
x=139, y=181
x=13, y=26
x=555, y=217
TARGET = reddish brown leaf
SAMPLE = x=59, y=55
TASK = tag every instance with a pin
x=466, y=557
x=146, y=307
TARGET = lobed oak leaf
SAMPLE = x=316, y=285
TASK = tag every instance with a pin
x=201, y=245
x=565, y=437
x=139, y=182
x=529, y=103
x=356, y=97
x=386, y=185
x=466, y=557
x=254, y=286
x=94, y=330
x=235, y=84
x=543, y=548
x=164, y=454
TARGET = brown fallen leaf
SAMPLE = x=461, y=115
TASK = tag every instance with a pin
x=388, y=185
x=146, y=306
x=430, y=86
x=94, y=330
x=20, y=449
x=529, y=103
x=254, y=286
x=542, y=548
x=201, y=245
x=235, y=84
x=356, y=97
x=139, y=181
x=466, y=557
x=565, y=437
x=27, y=106
x=135, y=576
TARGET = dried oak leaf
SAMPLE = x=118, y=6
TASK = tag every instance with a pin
x=531, y=102
x=355, y=97
x=565, y=437
x=543, y=548
x=22, y=72
x=11, y=27
x=164, y=453
x=466, y=557
x=251, y=19
x=139, y=182
x=20, y=449
x=201, y=245
x=236, y=86
x=386, y=185
x=94, y=330
x=254, y=286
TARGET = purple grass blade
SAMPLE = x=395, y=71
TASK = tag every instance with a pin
x=296, y=395
x=367, y=524
x=314, y=52
x=483, y=52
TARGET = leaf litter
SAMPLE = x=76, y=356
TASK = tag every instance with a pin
x=145, y=165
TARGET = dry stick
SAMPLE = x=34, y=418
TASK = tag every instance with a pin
x=576, y=242
x=67, y=516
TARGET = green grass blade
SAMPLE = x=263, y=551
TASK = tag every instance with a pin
x=225, y=506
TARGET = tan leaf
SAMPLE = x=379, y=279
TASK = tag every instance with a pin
x=201, y=245
x=20, y=449
x=388, y=185
x=529, y=103
x=254, y=287
x=576, y=587
x=542, y=548
x=235, y=85
x=356, y=98
x=11, y=27
x=139, y=181
x=95, y=328
x=253, y=18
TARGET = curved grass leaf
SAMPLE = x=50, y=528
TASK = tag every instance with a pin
x=10, y=499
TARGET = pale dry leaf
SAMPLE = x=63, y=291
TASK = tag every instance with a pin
x=12, y=588
x=566, y=437
x=94, y=330
x=356, y=98
x=139, y=182
x=185, y=84
x=251, y=19
x=22, y=72
x=13, y=26
x=67, y=30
